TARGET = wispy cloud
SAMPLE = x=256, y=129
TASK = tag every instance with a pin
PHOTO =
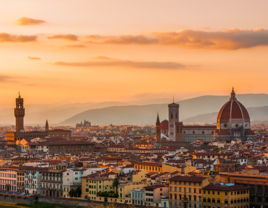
x=5, y=79
x=6, y=37
x=24, y=21
x=75, y=46
x=102, y=61
x=69, y=37
x=230, y=39
x=34, y=58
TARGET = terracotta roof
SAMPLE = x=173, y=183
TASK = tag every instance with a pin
x=164, y=125
x=249, y=132
x=188, y=179
x=218, y=187
x=154, y=187
x=224, y=132
x=233, y=109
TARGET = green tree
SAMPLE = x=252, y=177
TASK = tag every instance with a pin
x=78, y=191
x=116, y=184
x=71, y=193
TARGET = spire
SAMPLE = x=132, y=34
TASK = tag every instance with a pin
x=46, y=127
x=173, y=98
x=157, y=119
x=19, y=95
x=233, y=94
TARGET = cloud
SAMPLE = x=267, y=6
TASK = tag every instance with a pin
x=5, y=79
x=5, y=37
x=230, y=39
x=75, y=46
x=69, y=37
x=34, y=58
x=124, y=39
x=102, y=61
x=29, y=21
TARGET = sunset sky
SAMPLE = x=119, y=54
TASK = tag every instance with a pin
x=123, y=50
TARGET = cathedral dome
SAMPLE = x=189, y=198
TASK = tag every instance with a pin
x=233, y=114
x=164, y=125
x=233, y=109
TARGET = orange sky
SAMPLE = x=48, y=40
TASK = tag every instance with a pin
x=92, y=51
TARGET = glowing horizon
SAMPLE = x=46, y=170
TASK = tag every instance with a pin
x=121, y=51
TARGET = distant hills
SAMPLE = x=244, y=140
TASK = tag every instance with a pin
x=200, y=109
x=256, y=114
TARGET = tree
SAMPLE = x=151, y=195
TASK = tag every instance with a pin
x=78, y=191
x=116, y=184
x=71, y=193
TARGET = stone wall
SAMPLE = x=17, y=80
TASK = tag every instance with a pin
x=9, y=199
x=77, y=202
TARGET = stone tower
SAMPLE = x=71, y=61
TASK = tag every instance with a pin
x=19, y=112
x=173, y=115
x=157, y=129
x=46, y=127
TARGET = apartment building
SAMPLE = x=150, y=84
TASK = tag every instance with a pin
x=184, y=188
x=225, y=195
x=8, y=178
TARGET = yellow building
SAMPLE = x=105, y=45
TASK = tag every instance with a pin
x=149, y=166
x=191, y=187
x=180, y=168
x=138, y=176
x=221, y=196
x=124, y=191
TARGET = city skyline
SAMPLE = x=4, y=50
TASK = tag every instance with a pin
x=118, y=51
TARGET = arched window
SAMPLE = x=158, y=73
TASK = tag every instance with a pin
x=176, y=115
x=170, y=196
x=193, y=132
x=218, y=201
x=213, y=200
x=171, y=116
x=203, y=132
x=209, y=200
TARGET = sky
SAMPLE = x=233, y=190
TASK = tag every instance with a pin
x=123, y=50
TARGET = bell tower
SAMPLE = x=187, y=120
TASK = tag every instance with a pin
x=173, y=115
x=19, y=112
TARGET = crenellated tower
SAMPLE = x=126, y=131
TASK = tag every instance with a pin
x=19, y=112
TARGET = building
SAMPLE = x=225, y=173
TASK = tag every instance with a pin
x=173, y=115
x=19, y=112
x=85, y=124
x=52, y=180
x=184, y=189
x=73, y=147
x=225, y=195
x=233, y=121
x=8, y=178
x=154, y=193
x=227, y=166
x=257, y=184
x=33, y=178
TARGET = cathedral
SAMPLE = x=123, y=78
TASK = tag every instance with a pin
x=233, y=123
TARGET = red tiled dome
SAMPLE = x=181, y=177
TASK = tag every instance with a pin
x=164, y=125
x=233, y=109
x=249, y=132
x=224, y=132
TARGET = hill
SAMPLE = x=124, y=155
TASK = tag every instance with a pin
x=191, y=110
